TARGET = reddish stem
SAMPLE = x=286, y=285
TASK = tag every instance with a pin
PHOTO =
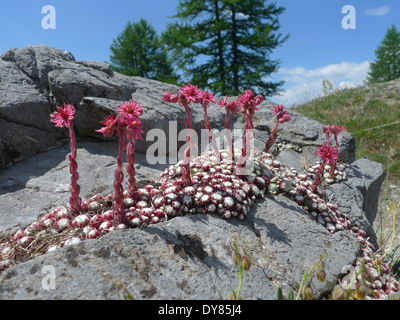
x=130, y=168
x=229, y=137
x=209, y=129
x=189, y=141
x=248, y=135
x=317, y=178
x=271, y=138
x=119, y=208
x=333, y=165
x=75, y=201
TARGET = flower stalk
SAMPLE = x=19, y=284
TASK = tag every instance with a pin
x=305, y=289
x=186, y=95
x=208, y=97
x=129, y=113
x=333, y=130
x=281, y=117
x=119, y=209
x=243, y=264
x=127, y=123
x=234, y=108
x=328, y=155
x=248, y=105
x=64, y=117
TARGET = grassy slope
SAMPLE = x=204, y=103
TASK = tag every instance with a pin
x=370, y=113
x=360, y=110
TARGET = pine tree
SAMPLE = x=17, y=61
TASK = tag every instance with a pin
x=138, y=51
x=225, y=45
x=386, y=67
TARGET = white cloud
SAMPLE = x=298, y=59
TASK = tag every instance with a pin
x=378, y=11
x=302, y=85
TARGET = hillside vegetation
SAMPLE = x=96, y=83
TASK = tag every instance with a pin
x=371, y=113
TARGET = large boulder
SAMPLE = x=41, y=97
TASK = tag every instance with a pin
x=38, y=184
x=187, y=257
x=35, y=79
x=190, y=258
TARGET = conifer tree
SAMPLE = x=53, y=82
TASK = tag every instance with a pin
x=386, y=67
x=225, y=45
x=138, y=51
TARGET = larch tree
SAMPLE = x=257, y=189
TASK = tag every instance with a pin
x=138, y=51
x=225, y=45
x=386, y=67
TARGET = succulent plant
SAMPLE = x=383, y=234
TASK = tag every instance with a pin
x=201, y=185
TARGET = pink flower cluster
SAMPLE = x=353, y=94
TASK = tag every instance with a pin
x=127, y=123
x=329, y=154
x=186, y=95
x=332, y=130
x=282, y=116
x=128, y=118
x=128, y=128
x=247, y=104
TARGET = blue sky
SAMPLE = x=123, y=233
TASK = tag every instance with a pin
x=318, y=48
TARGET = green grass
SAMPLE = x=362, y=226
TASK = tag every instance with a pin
x=369, y=113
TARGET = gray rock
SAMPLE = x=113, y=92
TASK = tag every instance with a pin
x=41, y=183
x=51, y=77
x=190, y=258
x=35, y=79
x=358, y=196
x=187, y=257
x=300, y=131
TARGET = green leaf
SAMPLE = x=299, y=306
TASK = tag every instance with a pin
x=280, y=294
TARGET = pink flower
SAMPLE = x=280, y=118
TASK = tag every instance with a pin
x=168, y=97
x=132, y=107
x=208, y=97
x=109, y=128
x=281, y=114
x=190, y=93
x=230, y=107
x=327, y=153
x=133, y=123
x=248, y=103
x=222, y=102
x=332, y=129
x=63, y=116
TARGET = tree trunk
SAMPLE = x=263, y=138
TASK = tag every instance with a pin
x=221, y=67
x=234, y=52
